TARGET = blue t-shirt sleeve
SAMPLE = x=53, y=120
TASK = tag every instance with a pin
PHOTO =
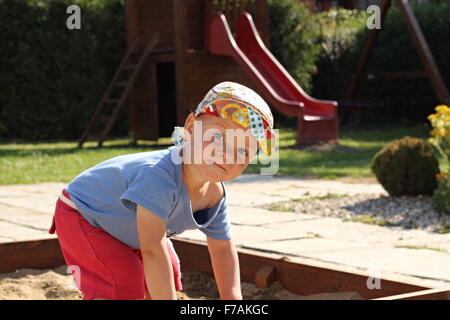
x=152, y=188
x=220, y=226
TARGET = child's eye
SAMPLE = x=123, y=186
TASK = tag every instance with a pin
x=242, y=151
x=218, y=136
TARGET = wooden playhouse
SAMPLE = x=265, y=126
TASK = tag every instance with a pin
x=179, y=49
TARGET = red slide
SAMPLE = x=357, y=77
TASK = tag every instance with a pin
x=317, y=119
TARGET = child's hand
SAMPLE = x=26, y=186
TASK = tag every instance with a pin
x=225, y=263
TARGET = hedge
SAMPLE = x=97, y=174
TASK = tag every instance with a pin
x=51, y=77
x=294, y=39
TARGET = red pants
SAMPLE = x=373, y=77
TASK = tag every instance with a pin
x=102, y=266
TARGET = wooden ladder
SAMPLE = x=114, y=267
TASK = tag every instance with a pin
x=124, y=78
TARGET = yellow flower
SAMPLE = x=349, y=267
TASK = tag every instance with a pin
x=431, y=140
x=440, y=176
x=434, y=132
x=432, y=116
x=442, y=108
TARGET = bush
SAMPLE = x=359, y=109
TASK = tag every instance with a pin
x=294, y=40
x=52, y=78
x=342, y=36
x=406, y=167
x=441, y=196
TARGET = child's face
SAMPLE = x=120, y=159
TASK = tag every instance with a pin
x=226, y=147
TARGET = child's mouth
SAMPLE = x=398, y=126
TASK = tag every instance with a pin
x=218, y=165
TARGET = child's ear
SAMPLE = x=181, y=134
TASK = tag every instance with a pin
x=189, y=123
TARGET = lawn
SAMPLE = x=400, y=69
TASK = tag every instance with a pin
x=25, y=162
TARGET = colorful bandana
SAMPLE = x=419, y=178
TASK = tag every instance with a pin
x=244, y=106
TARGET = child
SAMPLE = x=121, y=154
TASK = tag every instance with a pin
x=114, y=220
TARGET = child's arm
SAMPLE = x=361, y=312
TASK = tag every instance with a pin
x=225, y=264
x=157, y=264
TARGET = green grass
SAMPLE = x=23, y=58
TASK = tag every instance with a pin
x=422, y=247
x=327, y=196
x=287, y=206
x=26, y=162
x=370, y=220
x=279, y=207
x=313, y=234
x=445, y=229
x=354, y=162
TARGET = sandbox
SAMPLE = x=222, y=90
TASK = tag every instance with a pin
x=57, y=284
x=36, y=270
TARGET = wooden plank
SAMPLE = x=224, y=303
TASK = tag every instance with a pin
x=155, y=16
x=299, y=278
x=131, y=22
x=265, y=276
x=179, y=27
x=163, y=57
x=142, y=109
x=195, y=27
x=430, y=294
x=38, y=254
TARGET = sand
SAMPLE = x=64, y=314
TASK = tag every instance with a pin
x=55, y=284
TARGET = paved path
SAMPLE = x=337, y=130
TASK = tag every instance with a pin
x=26, y=212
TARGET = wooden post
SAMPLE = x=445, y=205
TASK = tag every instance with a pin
x=424, y=51
x=265, y=276
x=132, y=22
x=180, y=38
x=420, y=43
x=367, y=50
x=261, y=14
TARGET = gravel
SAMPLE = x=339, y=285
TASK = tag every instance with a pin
x=407, y=212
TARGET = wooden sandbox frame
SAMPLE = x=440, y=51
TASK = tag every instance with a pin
x=256, y=268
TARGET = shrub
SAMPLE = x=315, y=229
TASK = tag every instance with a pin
x=294, y=36
x=407, y=167
x=441, y=196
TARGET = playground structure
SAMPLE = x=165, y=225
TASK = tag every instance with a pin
x=430, y=69
x=179, y=49
x=262, y=270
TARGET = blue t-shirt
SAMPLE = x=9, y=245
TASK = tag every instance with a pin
x=107, y=194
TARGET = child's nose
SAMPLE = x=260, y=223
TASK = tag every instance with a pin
x=227, y=154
